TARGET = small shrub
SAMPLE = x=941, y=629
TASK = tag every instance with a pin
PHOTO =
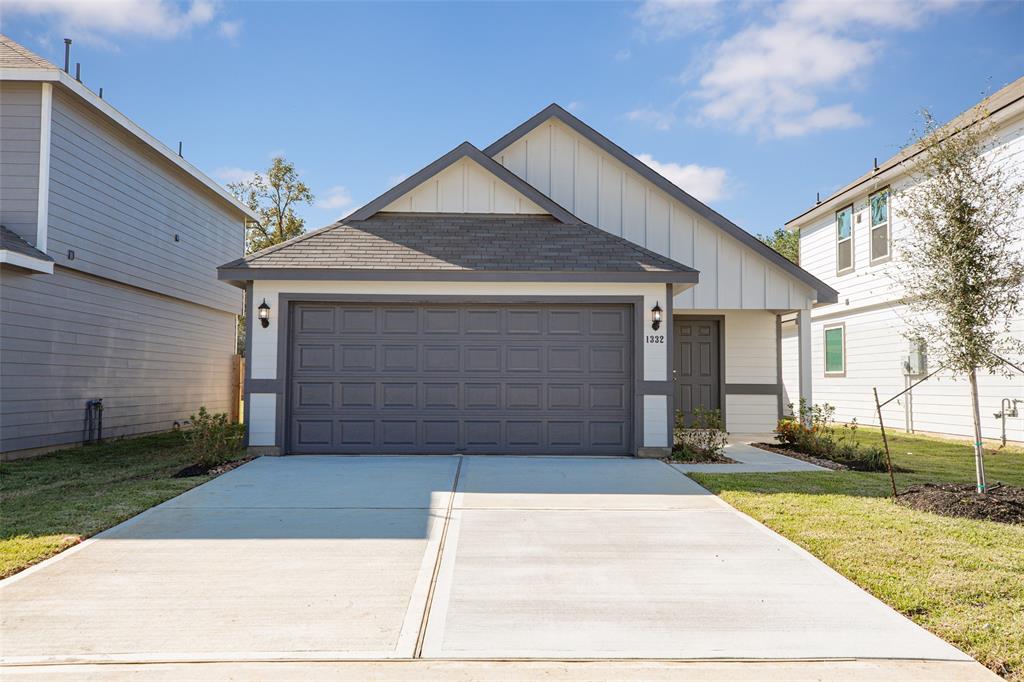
x=213, y=439
x=704, y=439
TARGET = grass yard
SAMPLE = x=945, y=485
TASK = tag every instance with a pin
x=962, y=579
x=52, y=502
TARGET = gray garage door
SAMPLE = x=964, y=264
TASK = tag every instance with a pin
x=515, y=379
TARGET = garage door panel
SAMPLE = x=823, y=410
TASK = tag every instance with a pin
x=522, y=379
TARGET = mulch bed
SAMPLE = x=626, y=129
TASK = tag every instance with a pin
x=215, y=470
x=1002, y=503
x=701, y=459
x=827, y=463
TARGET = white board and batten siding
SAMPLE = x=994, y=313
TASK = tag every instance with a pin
x=601, y=190
x=464, y=187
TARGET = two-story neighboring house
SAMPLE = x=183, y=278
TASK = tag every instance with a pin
x=108, y=285
x=853, y=240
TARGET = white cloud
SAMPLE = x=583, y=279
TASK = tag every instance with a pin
x=623, y=55
x=97, y=20
x=335, y=198
x=665, y=19
x=229, y=174
x=230, y=29
x=771, y=77
x=659, y=120
x=707, y=183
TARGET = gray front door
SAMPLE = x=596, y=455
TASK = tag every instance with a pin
x=473, y=378
x=697, y=369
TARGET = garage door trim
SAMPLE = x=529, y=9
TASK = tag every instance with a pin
x=284, y=317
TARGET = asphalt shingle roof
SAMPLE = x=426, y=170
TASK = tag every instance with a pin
x=461, y=242
x=10, y=241
x=15, y=56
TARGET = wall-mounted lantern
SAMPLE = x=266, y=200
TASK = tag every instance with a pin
x=656, y=316
x=264, y=313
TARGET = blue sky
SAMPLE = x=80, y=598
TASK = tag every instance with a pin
x=751, y=106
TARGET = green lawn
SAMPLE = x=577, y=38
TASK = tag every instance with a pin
x=52, y=502
x=961, y=579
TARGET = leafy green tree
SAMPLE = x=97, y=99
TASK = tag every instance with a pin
x=962, y=269
x=273, y=197
x=785, y=242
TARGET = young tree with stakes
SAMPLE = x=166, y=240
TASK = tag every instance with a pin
x=962, y=267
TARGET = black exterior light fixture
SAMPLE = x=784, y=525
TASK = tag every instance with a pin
x=656, y=316
x=264, y=313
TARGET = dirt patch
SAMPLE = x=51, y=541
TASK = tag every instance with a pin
x=1002, y=503
x=215, y=470
x=779, y=450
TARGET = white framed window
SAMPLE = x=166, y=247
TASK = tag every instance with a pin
x=844, y=240
x=880, y=237
x=835, y=350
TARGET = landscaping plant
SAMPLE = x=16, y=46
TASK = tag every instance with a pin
x=813, y=432
x=961, y=271
x=213, y=439
x=704, y=439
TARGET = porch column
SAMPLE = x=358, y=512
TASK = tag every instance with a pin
x=803, y=322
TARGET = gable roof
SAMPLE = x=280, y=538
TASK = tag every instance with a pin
x=17, y=63
x=464, y=151
x=459, y=246
x=996, y=103
x=826, y=294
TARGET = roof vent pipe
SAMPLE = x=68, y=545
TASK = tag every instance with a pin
x=876, y=164
x=179, y=147
x=817, y=197
x=67, y=55
x=101, y=93
x=78, y=71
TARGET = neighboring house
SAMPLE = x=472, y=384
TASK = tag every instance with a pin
x=852, y=240
x=107, y=268
x=508, y=301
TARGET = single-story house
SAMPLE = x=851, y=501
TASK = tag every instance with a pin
x=548, y=294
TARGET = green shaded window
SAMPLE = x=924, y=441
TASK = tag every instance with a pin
x=834, y=351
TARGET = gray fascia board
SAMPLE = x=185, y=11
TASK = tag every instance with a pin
x=464, y=150
x=826, y=294
x=238, y=276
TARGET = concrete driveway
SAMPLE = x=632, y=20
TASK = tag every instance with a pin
x=464, y=558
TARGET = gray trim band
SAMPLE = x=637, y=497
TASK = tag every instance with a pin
x=238, y=276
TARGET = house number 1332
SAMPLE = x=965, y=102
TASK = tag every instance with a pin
x=655, y=338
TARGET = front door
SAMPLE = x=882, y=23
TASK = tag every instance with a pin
x=697, y=369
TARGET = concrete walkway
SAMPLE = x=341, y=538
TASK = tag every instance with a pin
x=750, y=459
x=428, y=559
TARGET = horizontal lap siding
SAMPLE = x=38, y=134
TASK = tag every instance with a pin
x=19, y=157
x=875, y=351
x=69, y=337
x=118, y=205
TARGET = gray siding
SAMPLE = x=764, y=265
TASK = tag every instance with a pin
x=19, y=157
x=69, y=337
x=118, y=205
